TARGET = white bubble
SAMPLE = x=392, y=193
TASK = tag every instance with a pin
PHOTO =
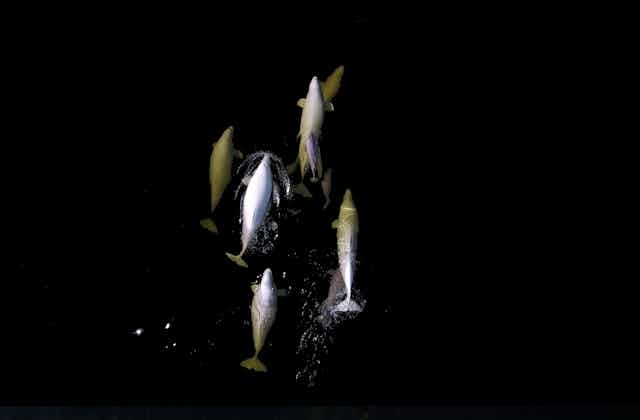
x=138, y=332
x=166, y=327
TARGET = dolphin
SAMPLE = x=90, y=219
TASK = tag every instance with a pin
x=255, y=206
x=263, y=313
x=347, y=235
x=329, y=89
x=331, y=85
x=220, y=173
x=311, y=120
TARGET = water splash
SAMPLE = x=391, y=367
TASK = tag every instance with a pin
x=263, y=242
x=317, y=321
x=281, y=180
x=265, y=238
x=308, y=279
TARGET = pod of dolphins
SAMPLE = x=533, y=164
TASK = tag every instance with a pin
x=261, y=191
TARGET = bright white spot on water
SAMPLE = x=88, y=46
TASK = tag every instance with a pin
x=138, y=332
x=174, y=344
x=166, y=327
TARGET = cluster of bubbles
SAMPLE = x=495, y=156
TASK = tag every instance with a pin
x=317, y=320
x=278, y=170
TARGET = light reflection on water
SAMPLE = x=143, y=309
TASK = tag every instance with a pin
x=304, y=271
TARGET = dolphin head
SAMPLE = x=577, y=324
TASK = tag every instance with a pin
x=267, y=286
x=266, y=160
x=267, y=278
x=347, y=196
x=314, y=85
x=227, y=135
x=347, y=201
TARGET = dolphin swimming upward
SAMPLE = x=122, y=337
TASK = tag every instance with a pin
x=263, y=313
x=309, y=150
x=313, y=108
x=220, y=172
x=255, y=205
x=347, y=226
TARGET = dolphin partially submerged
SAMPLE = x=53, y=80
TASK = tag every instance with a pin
x=331, y=85
x=313, y=107
x=347, y=234
x=263, y=313
x=266, y=184
x=220, y=173
x=255, y=205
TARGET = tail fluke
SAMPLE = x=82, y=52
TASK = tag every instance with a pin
x=237, y=259
x=209, y=224
x=254, y=363
x=348, y=305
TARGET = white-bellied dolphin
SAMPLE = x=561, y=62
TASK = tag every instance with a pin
x=263, y=313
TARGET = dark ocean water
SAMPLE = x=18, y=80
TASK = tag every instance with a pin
x=137, y=259
x=478, y=275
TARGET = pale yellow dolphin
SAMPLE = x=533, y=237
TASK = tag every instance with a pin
x=331, y=85
x=347, y=237
x=220, y=172
x=263, y=313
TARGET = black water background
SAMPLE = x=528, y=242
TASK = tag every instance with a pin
x=493, y=291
